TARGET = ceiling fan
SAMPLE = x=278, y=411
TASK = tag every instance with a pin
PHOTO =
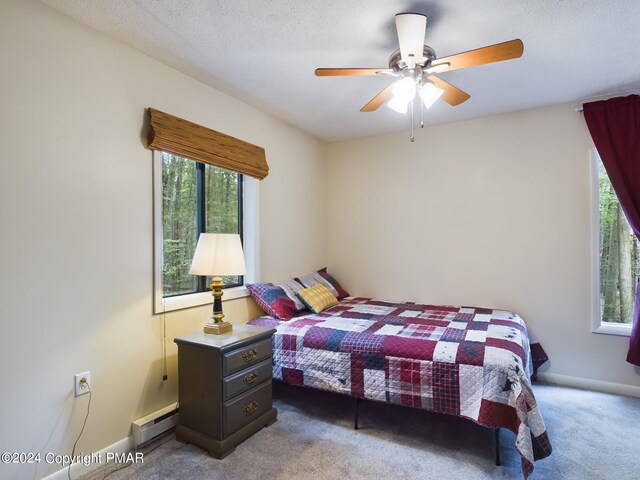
x=415, y=64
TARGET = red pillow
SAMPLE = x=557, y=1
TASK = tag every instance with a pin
x=273, y=300
x=341, y=291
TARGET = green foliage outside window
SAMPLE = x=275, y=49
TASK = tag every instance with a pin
x=221, y=193
x=618, y=257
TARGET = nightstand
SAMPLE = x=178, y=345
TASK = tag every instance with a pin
x=224, y=384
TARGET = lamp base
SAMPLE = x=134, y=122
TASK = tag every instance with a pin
x=218, y=328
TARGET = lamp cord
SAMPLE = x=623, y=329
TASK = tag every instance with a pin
x=165, y=376
x=84, y=424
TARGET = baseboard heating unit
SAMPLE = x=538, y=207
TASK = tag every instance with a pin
x=149, y=427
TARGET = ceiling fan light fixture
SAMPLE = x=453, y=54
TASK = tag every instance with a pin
x=429, y=94
x=404, y=90
x=398, y=105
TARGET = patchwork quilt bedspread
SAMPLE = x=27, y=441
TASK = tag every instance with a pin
x=470, y=362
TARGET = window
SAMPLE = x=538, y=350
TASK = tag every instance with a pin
x=190, y=198
x=618, y=259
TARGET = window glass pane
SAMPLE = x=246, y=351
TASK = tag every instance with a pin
x=195, y=198
x=222, y=200
x=222, y=212
x=618, y=257
x=179, y=224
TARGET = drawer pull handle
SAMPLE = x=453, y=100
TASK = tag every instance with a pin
x=249, y=409
x=249, y=379
x=250, y=355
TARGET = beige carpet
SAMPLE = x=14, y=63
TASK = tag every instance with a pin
x=594, y=436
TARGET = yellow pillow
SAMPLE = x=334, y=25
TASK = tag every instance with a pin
x=317, y=298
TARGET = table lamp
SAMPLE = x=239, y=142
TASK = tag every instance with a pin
x=218, y=254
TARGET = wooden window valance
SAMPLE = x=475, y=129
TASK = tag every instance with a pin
x=186, y=139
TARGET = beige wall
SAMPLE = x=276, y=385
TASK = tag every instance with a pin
x=491, y=212
x=76, y=216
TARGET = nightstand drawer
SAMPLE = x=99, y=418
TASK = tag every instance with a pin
x=246, y=379
x=246, y=407
x=244, y=357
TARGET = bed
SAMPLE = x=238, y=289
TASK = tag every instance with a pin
x=474, y=363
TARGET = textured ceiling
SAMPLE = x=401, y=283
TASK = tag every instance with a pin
x=265, y=52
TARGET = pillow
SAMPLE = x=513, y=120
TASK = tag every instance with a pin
x=323, y=278
x=273, y=300
x=342, y=293
x=291, y=288
x=317, y=298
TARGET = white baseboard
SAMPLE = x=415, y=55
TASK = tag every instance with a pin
x=589, y=384
x=78, y=469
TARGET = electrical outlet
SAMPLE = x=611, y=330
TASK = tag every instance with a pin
x=82, y=382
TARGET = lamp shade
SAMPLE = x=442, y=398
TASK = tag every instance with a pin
x=429, y=93
x=404, y=90
x=398, y=105
x=218, y=254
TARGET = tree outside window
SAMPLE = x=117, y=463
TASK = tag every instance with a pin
x=619, y=257
x=196, y=198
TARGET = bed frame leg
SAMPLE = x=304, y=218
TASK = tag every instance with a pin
x=355, y=415
x=497, y=437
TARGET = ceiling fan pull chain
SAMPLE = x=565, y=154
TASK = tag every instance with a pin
x=412, y=138
x=421, y=115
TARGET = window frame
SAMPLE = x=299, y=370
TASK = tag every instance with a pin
x=597, y=325
x=250, y=245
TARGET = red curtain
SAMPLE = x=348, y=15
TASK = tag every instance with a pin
x=615, y=128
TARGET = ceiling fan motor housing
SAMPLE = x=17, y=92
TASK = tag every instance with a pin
x=428, y=56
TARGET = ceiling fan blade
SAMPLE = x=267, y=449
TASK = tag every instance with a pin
x=377, y=101
x=452, y=95
x=493, y=53
x=411, y=28
x=348, y=72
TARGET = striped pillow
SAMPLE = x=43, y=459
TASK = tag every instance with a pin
x=323, y=277
x=317, y=298
x=291, y=288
